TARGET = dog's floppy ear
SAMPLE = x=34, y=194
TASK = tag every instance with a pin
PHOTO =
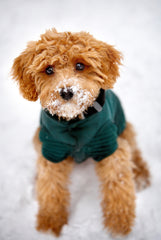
x=111, y=59
x=20, y=72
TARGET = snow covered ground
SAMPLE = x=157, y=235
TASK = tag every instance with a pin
x=134, y=27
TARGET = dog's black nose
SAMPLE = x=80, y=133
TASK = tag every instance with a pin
x=66, y=93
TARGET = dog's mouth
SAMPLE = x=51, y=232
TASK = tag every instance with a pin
x=69, y=102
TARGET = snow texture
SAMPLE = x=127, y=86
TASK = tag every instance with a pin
x=134, y=27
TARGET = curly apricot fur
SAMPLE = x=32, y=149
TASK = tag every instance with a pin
x=62, y=50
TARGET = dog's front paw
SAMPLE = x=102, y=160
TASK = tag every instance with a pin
x=119, y=221
x=51, y=223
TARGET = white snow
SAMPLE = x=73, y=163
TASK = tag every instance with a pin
x=134, y=27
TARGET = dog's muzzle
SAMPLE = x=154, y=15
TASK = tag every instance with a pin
x=66, y=93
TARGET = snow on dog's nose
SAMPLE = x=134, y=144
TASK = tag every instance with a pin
x=66, y=93
x=69, y=99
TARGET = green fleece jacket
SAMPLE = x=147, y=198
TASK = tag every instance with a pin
x=94, y=136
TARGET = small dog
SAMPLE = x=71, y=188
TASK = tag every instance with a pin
x=72, y=74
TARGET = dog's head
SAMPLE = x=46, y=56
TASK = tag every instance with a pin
x=66, y=71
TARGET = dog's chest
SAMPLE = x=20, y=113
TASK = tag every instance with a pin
x=94, y=137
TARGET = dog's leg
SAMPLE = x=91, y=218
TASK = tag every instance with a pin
x=52, y=191
x=117, y=186
x=52, y=194
x=140, y=168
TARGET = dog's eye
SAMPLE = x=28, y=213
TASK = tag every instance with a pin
x=80, y=66
x=49, y=70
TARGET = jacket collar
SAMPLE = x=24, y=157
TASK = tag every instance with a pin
x=97, y=105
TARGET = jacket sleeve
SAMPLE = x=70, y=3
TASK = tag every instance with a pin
x=104, y=143
x=118, y=115
x=53, y=151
